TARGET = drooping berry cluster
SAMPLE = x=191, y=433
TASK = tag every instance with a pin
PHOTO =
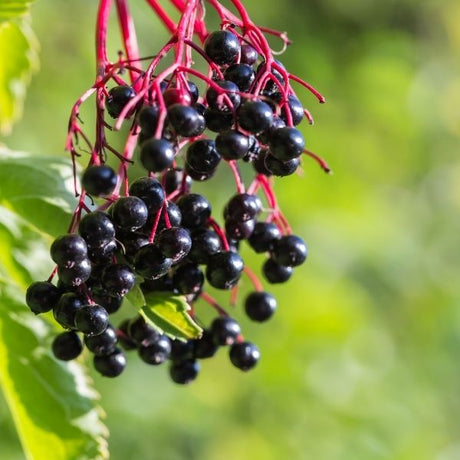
x=158, y=234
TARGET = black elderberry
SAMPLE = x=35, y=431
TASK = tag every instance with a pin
x=141, y=333
x=118, y=279
x=148, y=119
x=286, y=143
x=117, y=99
x=91, y=320
x=277, y=123
x=185, y=120
x=102, y=254
x=96, y=228
x=260, y=306
x=204, y=244
x=240, y=74
x=293, y=105
x=175, y=243
x=238, y=229
x=203, y=156
x=64, y=312
x=248, y=55
x=193, y=91
x=225, y=330
x=67, y=346
x=259, y=164
x=264, y=236
x=102, y=344
x=242, y=207
x=110, y=303
x=42, y=296
x=224, y=269
x=255, y=116
x=218, y=121
x=182, y=351
x=172, y=180
x=110, y=365
x=195, y=210
x=228, y=103
x=150, y=191
x=174, y=216
x=198, y=175
x=276, y=273
x=76, y=274
x=132, y=242
x=290, y=251
x=99, y=180
x=232, y=145
x=244, y=355
x=68, y=249
x=188, y=279
x=271, y=87
x=157, y=155
x=130, y=213
x=205, y=346
x=124, y=338
x=184, y=372
x=157, y=352
x=151, y=263
x=280, y=168
x=222, y=47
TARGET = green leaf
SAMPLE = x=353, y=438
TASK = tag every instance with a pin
x=37, y=188
x=169, y=313
x=11, y=9
x=19, y=52
x=53, y=406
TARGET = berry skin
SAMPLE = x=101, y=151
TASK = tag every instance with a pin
x=255, y=116
x=185, y=120
x=224, y=269
x=96, y=228
x=259, y=164
x=264, y=237
x=67, y=346
x=232, y=145
x=150, y=262
x=239, y=230
x=99, y=180
x=175, y=243
x=157, y=352
x=75, y=275
x=42, y=296
x=242, y=207
x=202, y=156
x=260, y=306
x=102, y=344
x=294, y=105
x=92, y=320
x=277, y=123
x=68, y=249
x=290, y=251
x=110, y=365
x=172, y=180
x=157, y=155
x=244, y=355
x=217, y=101
x=240, y=74
x=184, y=372
x=174, y=215
x=205, y=346
x=141, y=333
x=281, y=168
x=276, y=273
x=102, y=254
x=195, y=210
x=182, y=351
x=64, y=312
x=148, y=119
x=150, y=191
x=188, y=279
x=218, y=121
x=123, y=336
x=225, y=330
x=117, y=99
x=173, y=96
x=204, y=244
x=248, y=55
x=130, y=213
x=118, y=279
x=222, y=47
x=111, y=304
x=286, y=143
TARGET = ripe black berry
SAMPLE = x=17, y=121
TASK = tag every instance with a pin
x=195, y=210
x=157, y=155
x=248, y=55
x=276, y=273
x=228, y=103
x=175, y=243
x=264, y=236
x=110, y=365
x=75, y=275
x=92, y=320
x=150, y=191
x=96, y=228
x=102, y=344
x=218, y=121
x=148, y=119
x=157, y=352
x=42, y=296
x=172, y=180
x=244, y=355
x=99, y=180
x=232, y=145
x=130, y=213
x=68, y=249
x=239, y=229
x=102, y=254
x=225, y=330
x=242, y=207
x=118, y=279
x=150, y=262
x=64, y=312
x=224, y=269
x=184, y=372
x=204, y=243
x=182, y=351
x=110, y=303
x=205, y=346
x=67, y=346
x=185, y=120
x=286, y=143
x=188, y=279
x=222, y=47
x=281, y=168
x=203, y=156
x=260, y=306
x=240, y=74
x=141, y=333
x=255, y=116
x=117, y=99
x=290, y=251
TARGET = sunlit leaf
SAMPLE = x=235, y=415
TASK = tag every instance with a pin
x=11, y=9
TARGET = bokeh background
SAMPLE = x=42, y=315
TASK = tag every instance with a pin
x=361, y=361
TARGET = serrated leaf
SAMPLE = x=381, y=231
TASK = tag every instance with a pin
x=19, y=52
x=37, y=188
x=11, y=9
x=170, y=313
x=54, y=408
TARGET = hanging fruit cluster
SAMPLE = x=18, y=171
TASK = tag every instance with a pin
x=151, y=234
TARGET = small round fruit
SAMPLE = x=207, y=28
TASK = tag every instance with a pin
x=42, y=296
x=157, y=352
x=205, y=346
x=75, y=275
x=150, y=191
x=157, y=155
x=117, y=99
x=184, y=372
x=240, y=74
x=232, y=145
x=224, y=269
x=255, y=116
x=67, y=346
x=244, y=355
x=203, y=156
x=64, y=312
x=99, y=180
x=118, y=279
x=280, y=168
x=188, y=279
x=102, y=344
x=276, y=273
x=286, y=143
x=68, y=249
x=151, y=263
x=175, y=243
x=205, y=243
x=96, y=228
x=130, y=213
x=222, y=47
x=290, y=251
x=185, y=120
x=110, y=365
x=195, y=210
x=92, y=320
x=225, y=330
x=264, y=236
x=260, y=306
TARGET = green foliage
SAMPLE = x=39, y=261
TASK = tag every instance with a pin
x=12, y=9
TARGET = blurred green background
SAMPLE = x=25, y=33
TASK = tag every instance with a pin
x=361, y=360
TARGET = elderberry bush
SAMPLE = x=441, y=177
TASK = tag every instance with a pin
x=153, y=233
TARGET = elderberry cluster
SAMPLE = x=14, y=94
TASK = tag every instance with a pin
x=163, y=237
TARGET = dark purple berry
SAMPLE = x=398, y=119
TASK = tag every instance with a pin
x=141, y=332
x=96, y=228
x=117, y=99
x=225, y=330
x=110, y=365
x=172, y=180
x=238, y=229
x=205, y=346
x=224, y=269
x=157, y=155
x=260, y=306
x=75, y=275
x=151, y=263
x=182, y=351
x=242, y=207
x=91, y=320
x=185, y=120
x=255, y=116
x=222, y=47
x=244, y=355
x=99, y=180
x=148, y=119
x=118, y=279
x=150, y=191
x=64, y=312
x=195, y=210
x=130, y=213
x=157, y=352
x=67, y=346
x=286, y=143
x=188, y=279
x=281, y=168
x=218, y=122
x=204, y=244
x=232, y=145
x=248, y=55
x=276, y=273
x=42, y=296
x=264, y=236
x=102, y=344
x=240, y=74
x=184, y=372
x=227, y=100
x=202, y=156
x=175, y=243
x=290, y=251
x=68, y=249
